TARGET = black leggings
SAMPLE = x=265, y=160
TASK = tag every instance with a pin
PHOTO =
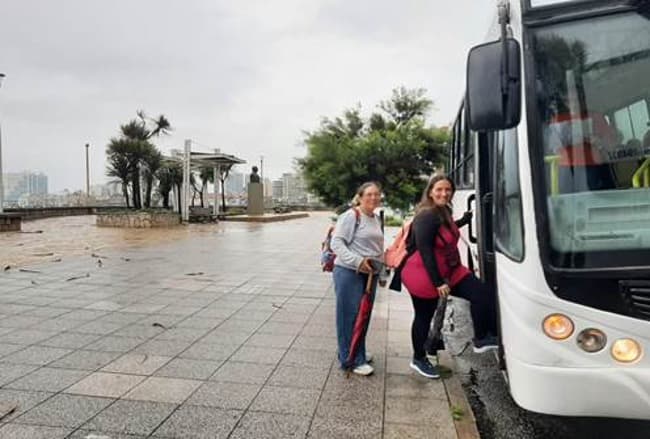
x=482, y=306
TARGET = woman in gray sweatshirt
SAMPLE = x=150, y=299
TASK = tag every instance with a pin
x=358, y=242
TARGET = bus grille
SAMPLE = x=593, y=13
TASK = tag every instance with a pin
x=636, y=295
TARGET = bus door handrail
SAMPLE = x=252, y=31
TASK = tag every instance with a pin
x=554, y=164
x=642, y=173
x=470, y=229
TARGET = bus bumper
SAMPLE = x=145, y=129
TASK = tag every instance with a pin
x=608, y=392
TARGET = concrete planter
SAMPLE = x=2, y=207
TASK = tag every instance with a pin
x=10, y=222
x=138, y=220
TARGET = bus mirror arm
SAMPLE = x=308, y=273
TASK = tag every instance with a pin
x=504, y=20
x=494, y=66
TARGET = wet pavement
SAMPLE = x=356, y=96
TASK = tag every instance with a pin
x=52, y=239
x=202, y=331
x=498, y=416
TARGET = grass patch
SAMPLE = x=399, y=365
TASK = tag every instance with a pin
x=457, y=413
x=445, y=372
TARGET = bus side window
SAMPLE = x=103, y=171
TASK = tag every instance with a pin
x=453, y=155
x=462, y=135
x=468, y=166
x=508, y=227
x=461, y=163
x=632, y=121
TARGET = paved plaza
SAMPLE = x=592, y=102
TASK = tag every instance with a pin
x=225, y=334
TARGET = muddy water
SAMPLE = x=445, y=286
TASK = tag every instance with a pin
x=56, y=238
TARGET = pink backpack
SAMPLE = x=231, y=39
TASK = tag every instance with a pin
x=395, y=254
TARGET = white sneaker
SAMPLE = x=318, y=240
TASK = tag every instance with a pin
x=364, y=370
x=369, y=357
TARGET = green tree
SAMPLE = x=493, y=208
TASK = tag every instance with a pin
x=152, y=161
x=134, y=150
x=165, y=176
x=206, y=175
x=118, y=167
x=223, y=172
x=394, y=147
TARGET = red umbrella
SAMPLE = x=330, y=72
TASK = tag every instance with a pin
x=361, y=322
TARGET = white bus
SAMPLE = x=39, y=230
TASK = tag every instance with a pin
x=551, y=149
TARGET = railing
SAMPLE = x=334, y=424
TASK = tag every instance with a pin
x=33, y=213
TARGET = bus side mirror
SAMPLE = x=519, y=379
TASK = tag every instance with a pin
x=494, y=86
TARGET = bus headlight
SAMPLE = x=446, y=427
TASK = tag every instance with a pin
x=558, y=326
x=626, y=350
x=592, y=340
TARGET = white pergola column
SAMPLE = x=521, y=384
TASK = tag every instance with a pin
x=216, y=189
x=185, y=199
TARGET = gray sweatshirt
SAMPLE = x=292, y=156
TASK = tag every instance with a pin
x=350, y=246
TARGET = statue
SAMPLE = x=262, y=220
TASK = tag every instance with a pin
x=255, y=195
x=254, y=177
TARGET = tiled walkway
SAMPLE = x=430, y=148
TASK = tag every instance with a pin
x=230, y=334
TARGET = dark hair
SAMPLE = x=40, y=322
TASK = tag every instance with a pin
x=426, y=203
x=357, y=196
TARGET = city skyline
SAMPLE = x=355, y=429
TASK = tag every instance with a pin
x=108, y=181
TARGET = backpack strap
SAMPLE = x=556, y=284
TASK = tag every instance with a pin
x=326, y=245
x=357, y=222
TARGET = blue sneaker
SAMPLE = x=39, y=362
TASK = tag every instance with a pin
x=425, y=368
x=487, y=343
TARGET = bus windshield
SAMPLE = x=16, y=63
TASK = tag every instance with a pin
x=593, y=96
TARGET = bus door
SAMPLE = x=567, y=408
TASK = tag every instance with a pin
x=481, y=230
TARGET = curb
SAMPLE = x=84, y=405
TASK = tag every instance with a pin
x=465, y=423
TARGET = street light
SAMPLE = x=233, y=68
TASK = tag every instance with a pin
x=262, y=168
x=87, y=171
x=2, y=187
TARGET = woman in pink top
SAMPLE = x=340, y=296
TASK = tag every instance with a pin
x=433, y=269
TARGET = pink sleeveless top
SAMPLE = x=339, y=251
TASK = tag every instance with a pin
x=415, y=276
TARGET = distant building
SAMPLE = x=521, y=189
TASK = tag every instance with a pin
x=268, y=188
x=235, y=184
x=277, y=188
x=20, y=186
x=294, y=188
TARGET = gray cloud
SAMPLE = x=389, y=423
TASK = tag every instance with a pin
x=247, y=77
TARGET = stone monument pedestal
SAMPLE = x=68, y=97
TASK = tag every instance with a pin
x=255, y=199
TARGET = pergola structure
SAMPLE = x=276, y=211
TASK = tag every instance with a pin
x=221, y=163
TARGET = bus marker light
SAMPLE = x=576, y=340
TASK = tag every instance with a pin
x=626, y=350
x=558, y=326
x=592, y=340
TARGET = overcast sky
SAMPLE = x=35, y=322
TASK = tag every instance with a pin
x=244, y=76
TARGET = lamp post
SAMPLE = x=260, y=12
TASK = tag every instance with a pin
x=262, y=168
x=87, y=171
x=2, y=187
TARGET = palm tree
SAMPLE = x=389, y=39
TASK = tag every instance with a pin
x=177, y=181
x=161, y=125
x=152, y=161
x=118, y=167
x=165, y=176
x=124, y=155
x=224, y=171
x=207, y=176
x=195, y=189
x=138, y=132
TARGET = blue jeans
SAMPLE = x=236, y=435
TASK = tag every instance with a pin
x=349, y=287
